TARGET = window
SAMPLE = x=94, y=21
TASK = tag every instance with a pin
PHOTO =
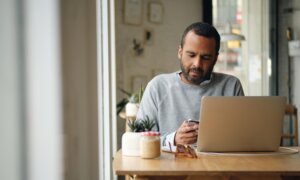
x=248, y=60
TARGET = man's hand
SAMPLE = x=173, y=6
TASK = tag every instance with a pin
x=187, y=133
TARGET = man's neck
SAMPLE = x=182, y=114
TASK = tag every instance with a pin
x=183, y=79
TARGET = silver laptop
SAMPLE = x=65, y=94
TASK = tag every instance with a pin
x=240, y=123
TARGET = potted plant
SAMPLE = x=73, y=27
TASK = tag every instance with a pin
x=131, y=139
x=131, y=103
x=132, y=106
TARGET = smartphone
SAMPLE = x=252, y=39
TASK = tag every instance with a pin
x=193, y=121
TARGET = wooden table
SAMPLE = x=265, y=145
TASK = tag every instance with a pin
x=209, y=167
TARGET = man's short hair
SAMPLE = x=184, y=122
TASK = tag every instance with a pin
x=202, y=29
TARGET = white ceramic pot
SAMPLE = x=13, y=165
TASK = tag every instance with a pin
x=131, y=109
x=131, y=144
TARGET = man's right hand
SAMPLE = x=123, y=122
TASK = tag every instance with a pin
x=187, y=133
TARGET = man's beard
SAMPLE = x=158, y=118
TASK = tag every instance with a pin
x=195, y=81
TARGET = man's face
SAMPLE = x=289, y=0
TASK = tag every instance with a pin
x=197, y=58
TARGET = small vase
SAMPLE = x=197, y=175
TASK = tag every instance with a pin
x=131, y=109
x=131, y=144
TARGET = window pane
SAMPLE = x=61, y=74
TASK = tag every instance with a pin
x=248, y=60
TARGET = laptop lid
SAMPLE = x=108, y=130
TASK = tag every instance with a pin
x=240, y=123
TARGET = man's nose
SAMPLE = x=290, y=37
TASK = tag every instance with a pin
x=197, y=62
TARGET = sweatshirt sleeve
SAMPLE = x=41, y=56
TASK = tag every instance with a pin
x=239, y=89
x=167, y=142
x=149, y=105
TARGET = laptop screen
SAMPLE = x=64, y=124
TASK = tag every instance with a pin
x=240, y=123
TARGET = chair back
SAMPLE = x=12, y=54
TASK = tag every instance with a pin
x=292, y=112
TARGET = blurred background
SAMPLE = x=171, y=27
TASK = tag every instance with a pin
x=63, y=63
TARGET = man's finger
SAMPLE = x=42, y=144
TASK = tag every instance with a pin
x=190, y=134
x=188, y=129
x=191, y=140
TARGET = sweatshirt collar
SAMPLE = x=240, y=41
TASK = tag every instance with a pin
x=202, y=83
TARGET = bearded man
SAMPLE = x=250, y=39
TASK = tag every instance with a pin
x=172, y=99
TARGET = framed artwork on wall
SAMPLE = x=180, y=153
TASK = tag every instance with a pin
x=133, y=12
x=155, y=12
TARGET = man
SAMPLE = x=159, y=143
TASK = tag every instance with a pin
x=171, y=99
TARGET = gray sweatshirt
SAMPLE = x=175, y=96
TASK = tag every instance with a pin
x=169, y=101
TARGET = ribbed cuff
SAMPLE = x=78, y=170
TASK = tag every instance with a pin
x=168, y=142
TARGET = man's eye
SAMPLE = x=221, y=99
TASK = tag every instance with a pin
x=208, y=58
x=191, y=55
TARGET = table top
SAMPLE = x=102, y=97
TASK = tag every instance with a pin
x=167, y=164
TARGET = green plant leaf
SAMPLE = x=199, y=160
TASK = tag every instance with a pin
x=141, y=93
x=121, y=105
x=131, y=97
x=135, y=126
x=148, y=124
x=125, y=92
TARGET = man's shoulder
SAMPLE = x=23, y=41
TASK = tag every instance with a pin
x=222, y=76
x=164, y=78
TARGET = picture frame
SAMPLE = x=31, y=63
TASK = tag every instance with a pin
x=155, y=12
x=133, y=12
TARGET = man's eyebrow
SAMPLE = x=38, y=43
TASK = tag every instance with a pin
x=190, y=52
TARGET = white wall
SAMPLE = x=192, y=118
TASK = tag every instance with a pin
x=162, y=54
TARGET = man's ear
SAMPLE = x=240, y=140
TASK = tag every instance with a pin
x=217, y=55
x=179, y=52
